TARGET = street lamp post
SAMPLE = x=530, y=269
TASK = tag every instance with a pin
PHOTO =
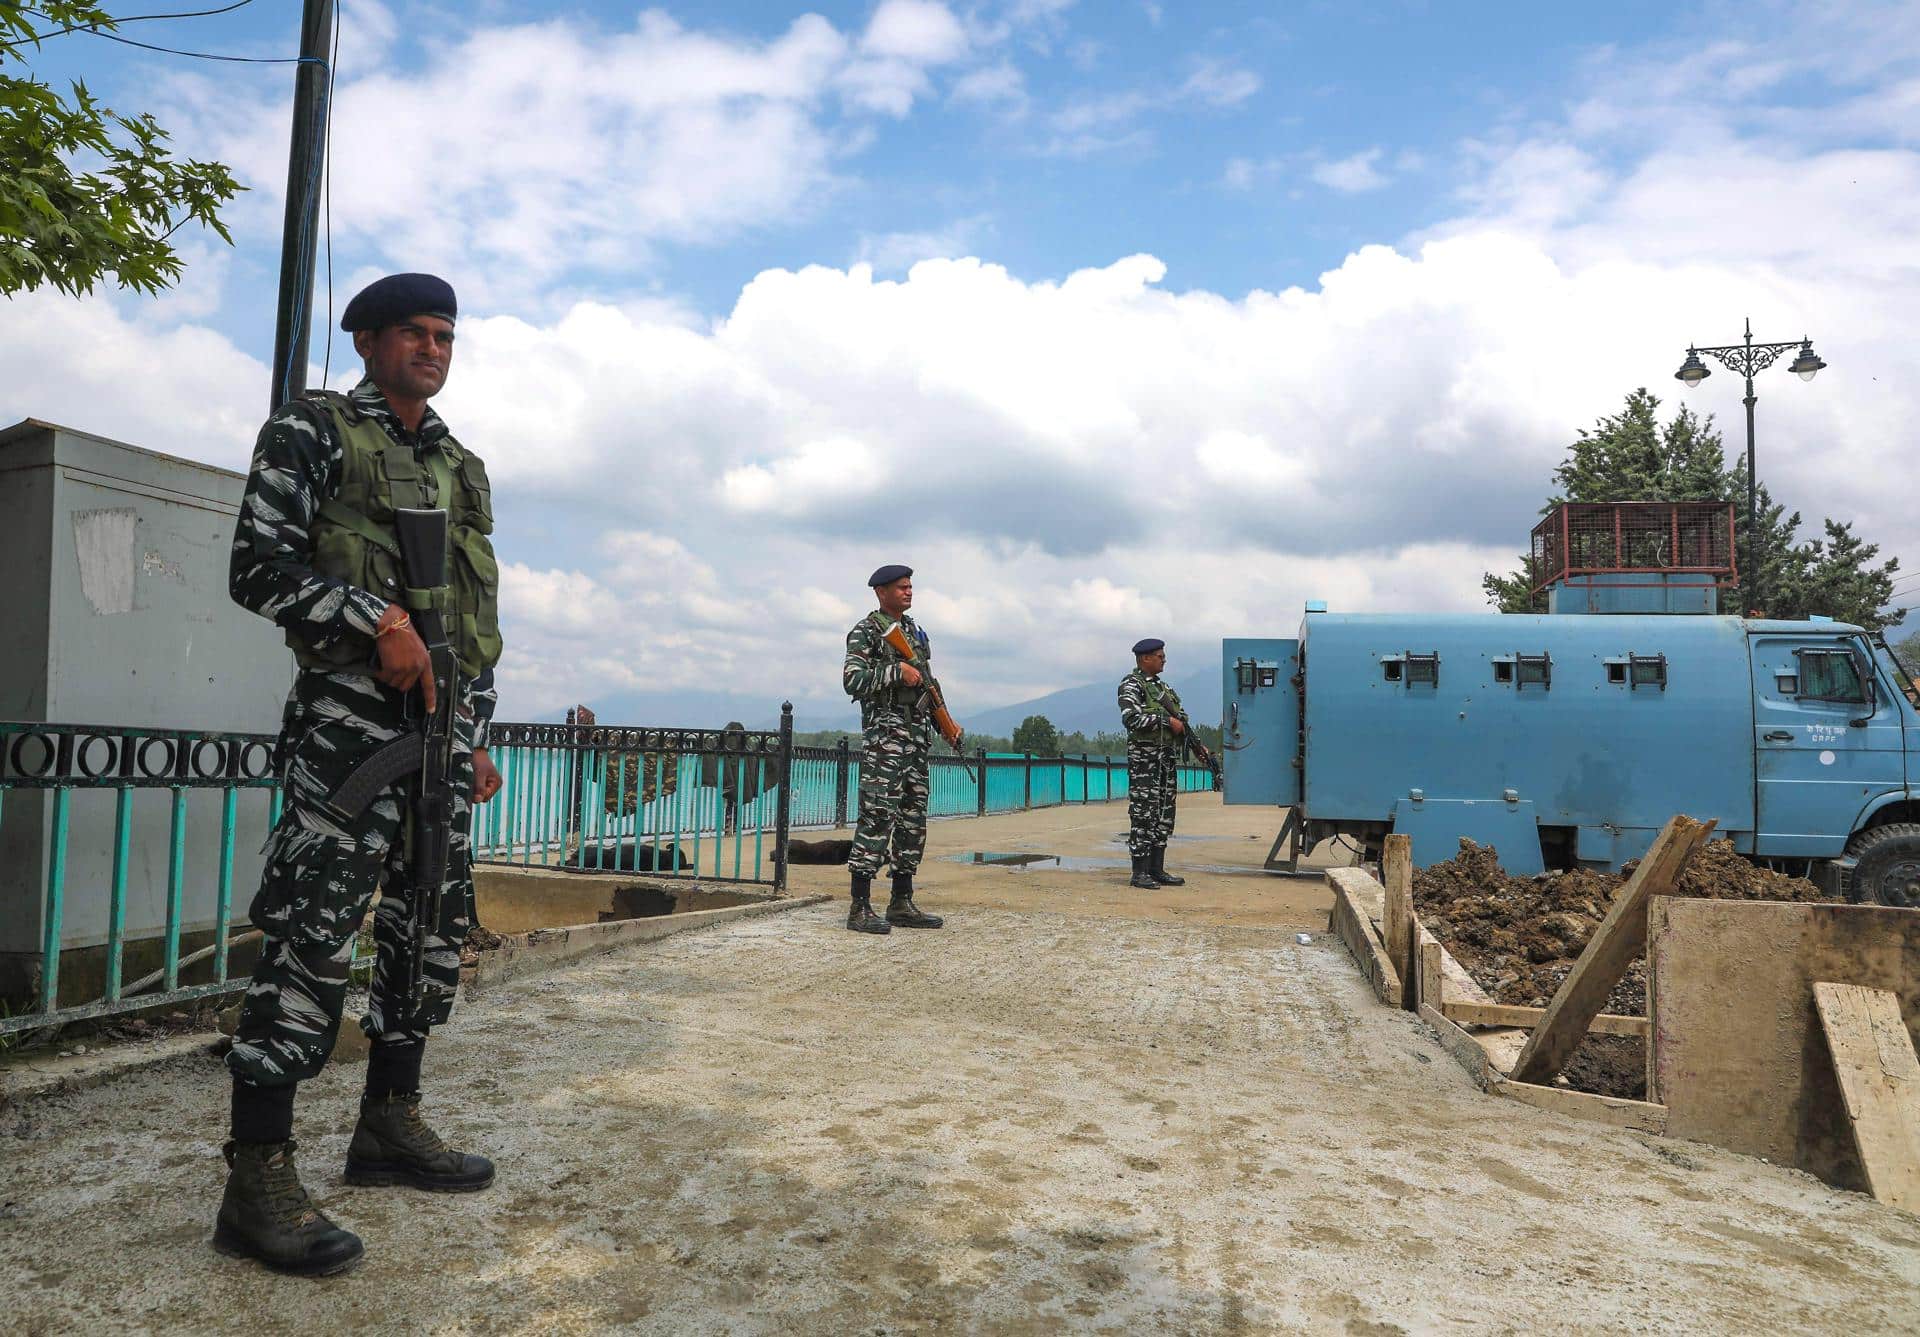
x=1747, y=358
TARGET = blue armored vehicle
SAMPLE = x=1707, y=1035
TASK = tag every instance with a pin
x=1570, y=737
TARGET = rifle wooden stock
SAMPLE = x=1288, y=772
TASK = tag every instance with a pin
x=943, y=720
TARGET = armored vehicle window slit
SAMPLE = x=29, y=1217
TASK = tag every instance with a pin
x=1423, y=670
x=1617, y=670
x=1503, y=670
x=1829, y=675
x=1647, y=671
x=1390, y=669
x=1534, y=671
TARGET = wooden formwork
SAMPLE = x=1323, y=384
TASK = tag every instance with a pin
x=1780, y=1030
x=1484, y=1036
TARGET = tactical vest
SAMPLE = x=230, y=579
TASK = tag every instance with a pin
x=354, y=541
x=1159, y=696
x=901, y=696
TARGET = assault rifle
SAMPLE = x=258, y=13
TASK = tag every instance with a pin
x=426, y=754
x=1188, y=743
x=943, y=721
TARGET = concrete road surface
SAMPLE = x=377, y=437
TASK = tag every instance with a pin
x=1071, y=1110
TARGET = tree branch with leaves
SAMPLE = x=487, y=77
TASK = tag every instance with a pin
x=89, y=194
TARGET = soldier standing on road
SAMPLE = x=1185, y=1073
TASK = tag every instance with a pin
x=897, y=731
x=1155, y=722
x=314, y=551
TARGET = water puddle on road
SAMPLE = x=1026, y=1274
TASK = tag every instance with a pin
x=1016, y=859
x=1075, y=863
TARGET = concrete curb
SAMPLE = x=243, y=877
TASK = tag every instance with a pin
x=519, y=955
x=542, y=949
x=33, y=1078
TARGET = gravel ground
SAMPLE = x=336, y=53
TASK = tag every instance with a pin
x=1029, y=1121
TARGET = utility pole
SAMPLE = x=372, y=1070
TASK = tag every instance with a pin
x=306, y=160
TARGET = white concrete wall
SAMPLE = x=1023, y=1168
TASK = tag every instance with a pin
x=116, y=613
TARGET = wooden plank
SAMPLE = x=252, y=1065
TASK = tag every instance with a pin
x=1622, y=935
x=1429, y=977
x=1880, y=1084
x=1349, y=920
x=1610, y=1110
x=1504, y=1014
x=1396, y=875
x=1741, y=1058
x=1461, y=987
x=1464, y=1048
x=1656, y=915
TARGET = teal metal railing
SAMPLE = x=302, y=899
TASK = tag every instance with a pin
x=705, y=803
x=827, y=783
x=53, y=776
x=694, y=803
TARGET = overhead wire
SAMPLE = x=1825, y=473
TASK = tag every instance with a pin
x=92, y=30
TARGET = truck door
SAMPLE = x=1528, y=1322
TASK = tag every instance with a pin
x=1825, y=741
x=1260, y=721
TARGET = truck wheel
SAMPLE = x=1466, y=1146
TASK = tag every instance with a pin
x=1887, y=866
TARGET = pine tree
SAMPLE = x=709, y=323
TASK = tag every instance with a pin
x=1629, y=456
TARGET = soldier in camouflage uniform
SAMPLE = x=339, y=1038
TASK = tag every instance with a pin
x=314, y=551
x=897, y=731
x=1154, y=720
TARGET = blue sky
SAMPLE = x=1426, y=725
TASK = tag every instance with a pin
x=1106, y=155
x=1115, y=319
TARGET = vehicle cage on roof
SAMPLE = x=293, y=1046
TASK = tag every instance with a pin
x=1617, y=538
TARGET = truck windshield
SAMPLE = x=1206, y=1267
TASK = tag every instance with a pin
x=1905, y=670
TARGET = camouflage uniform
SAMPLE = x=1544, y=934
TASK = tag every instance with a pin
x=897, y=731
x=320, y=875
x=1153, y=759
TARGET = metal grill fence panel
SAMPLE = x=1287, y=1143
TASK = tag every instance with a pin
x=672, y=802
x=105, y=784
x=692, y=803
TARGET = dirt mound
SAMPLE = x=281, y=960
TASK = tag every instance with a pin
x=1519, y=936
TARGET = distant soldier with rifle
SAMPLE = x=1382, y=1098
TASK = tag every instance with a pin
x=363, y=535
x=1158, y=733
x=888, y=671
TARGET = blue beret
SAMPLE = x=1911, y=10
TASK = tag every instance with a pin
x=886, y=575
x=390, y=300
x=1148, y=646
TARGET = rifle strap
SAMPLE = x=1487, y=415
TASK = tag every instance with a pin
x=347, y=518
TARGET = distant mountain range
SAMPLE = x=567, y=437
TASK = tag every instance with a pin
x=1086, y=709
x=1090, y=708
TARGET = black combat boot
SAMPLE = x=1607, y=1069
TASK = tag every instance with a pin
x=860, y=915
x=902, y=911
x=266, y=1214
x=1157, y=869
x=393, y=1145
x=1142, y=877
